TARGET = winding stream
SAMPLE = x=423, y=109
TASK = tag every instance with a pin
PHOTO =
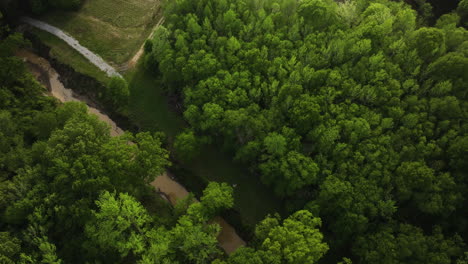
x=228, y=239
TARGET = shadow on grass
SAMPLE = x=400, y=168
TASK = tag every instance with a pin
x=150, y=110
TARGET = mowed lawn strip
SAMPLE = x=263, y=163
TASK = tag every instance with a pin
x=67, y=55
x=114, y=29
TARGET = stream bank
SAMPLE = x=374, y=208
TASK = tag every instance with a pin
x=82, y=85
x=150, y=110
x=228, y=239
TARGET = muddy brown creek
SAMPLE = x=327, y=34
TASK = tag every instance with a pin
x=228, y=239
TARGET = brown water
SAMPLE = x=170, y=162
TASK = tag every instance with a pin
x=228, y=239
x=40, y=67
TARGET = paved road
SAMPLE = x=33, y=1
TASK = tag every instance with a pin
x=93, y=58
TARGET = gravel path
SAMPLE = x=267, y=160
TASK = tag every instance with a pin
x=140, y=52
x=93, y=58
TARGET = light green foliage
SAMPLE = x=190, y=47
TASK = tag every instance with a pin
x=217, y=197
x=297, y=240
x=192, y=240
x=195, y=242
x=159, y=250
x=119, y=224
x=245, y=255
x=275, y=144
x=9, y=248
x=464, y=259
x=345, y=261
x=48, y=251
x=212, y=114
x=122, y=226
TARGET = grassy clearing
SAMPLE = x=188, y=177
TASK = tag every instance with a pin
x=67, y=55
x=150, y=109
x=252, y=199
x=113, y=29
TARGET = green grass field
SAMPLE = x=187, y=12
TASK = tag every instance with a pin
x=66, y=54
x=113, y=29
x=149, y=107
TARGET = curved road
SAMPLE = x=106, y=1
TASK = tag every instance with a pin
x=93, y=58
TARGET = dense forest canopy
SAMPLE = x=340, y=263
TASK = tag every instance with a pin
x=356, y=110
x=71, y=193
x=11, y=8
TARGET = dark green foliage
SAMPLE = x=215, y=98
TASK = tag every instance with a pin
x=216, y=197
x=408, y=244
x=40, y=6
x=186, y=145
x=462, y=11
x=118, y=93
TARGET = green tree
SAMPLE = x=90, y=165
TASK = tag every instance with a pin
x=318, y=13
x=429, y=42
x=9, y=248
x=407, y=244
x=275, y=144
x=296, y=240
x=118, y=92
x=186, y=145
x=217, y=197
x=430, y=193
x=118, y=226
